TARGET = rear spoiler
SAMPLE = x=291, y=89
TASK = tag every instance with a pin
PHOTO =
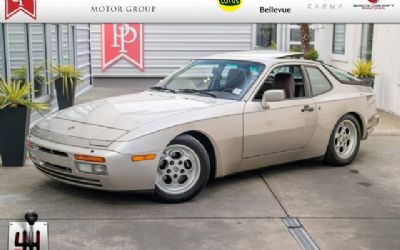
x=292, y=55
x=368, y=82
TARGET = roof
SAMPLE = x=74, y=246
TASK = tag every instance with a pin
x=263, y=56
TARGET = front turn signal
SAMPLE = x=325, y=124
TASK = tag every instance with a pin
x=148, y=157
x=89, y=158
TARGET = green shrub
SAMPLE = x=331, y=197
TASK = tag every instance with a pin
x=311, y=54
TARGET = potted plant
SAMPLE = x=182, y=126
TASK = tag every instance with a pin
x=272, y=45
x=363, y=69
x=39, y=79
x=66, y=80
x=15, y=106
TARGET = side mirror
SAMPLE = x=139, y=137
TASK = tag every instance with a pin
x=276, y=95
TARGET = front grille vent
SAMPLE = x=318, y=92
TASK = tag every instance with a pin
x=68, y=177
x=53, y=152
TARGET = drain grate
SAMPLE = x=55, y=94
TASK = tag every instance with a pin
x=299, y=234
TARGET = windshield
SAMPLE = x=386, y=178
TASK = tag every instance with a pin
x=226, y=79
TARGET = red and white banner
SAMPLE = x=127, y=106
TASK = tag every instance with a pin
x=122, y=41
x=15, y=6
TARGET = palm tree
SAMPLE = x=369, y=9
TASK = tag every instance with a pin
x=305, y=37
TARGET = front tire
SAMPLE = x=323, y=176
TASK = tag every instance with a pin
x=183, y=170
x=344, y=142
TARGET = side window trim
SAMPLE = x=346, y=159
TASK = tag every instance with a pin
x=307, y=85
x=308, y=78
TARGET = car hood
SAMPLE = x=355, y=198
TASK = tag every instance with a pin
x=130, y=112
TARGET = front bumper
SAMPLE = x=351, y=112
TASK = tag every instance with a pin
x=57, y=161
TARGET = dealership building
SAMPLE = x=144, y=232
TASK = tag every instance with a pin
x=32, y=48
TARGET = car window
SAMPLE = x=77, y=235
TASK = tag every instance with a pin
x=197, y=77
x=294, y=70
x=225, y=72
x=319, y=83
x=294, y=76
x=226, y=79
x=341, y=75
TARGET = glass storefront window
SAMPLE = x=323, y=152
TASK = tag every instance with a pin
x=2, y=56
x=38, y=59
x=339, y=39
x=53, y=44
x=28, y=50
x=295, y=37
x=267, y=36
x=366, y=41
x=295, y=34
x=67, y=44
x=17, y=52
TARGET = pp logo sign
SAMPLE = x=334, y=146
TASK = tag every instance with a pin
x=15, y=6
x=122, y=41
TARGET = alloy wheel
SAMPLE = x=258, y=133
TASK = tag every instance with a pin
x=178, y=170
x=345, y=139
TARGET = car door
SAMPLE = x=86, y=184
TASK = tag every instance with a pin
x=284, y=126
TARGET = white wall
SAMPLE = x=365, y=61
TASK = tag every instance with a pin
x=323, y=41
x=385, y=54
x=324, y=45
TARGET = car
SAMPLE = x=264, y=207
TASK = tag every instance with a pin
x=216, y=116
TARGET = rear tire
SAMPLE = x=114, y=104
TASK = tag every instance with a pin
x=344, y=142
x=183, y=170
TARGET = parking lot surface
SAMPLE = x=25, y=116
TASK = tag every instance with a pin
x=354, y=207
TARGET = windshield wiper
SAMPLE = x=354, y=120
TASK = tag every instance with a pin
x=158, y=88
x=205, y=92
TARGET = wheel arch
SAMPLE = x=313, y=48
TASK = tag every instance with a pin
x=360, y=121
x=210, y=148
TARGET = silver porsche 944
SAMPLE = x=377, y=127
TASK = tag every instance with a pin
x=216, y=116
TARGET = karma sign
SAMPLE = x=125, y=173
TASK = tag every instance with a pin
x=122, y=41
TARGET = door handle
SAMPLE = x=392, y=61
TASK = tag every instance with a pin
x=307, y=108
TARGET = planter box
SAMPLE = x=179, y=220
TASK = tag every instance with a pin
x=14, y=127
x=64, y=99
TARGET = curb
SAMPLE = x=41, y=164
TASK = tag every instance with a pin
x=386, y=133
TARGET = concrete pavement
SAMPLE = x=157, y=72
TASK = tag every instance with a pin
x=355, y=207
x=389, y=124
